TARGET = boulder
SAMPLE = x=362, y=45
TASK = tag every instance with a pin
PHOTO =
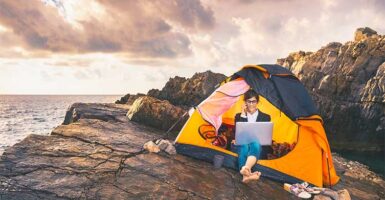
x=347, y=83
x=156, y=113
x=363, y=33
x=188, y=91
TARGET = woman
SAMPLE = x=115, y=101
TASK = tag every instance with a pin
x=248, y=154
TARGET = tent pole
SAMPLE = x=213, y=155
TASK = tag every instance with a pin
x=168, y=131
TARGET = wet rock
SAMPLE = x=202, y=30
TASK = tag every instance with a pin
x=347, y=82
x=156, y=113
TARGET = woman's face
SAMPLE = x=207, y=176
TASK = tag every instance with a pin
x=251, y=104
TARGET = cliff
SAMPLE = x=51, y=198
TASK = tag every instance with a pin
x=347, y=83
x=180, y=91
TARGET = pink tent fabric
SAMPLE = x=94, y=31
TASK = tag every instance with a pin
x=221, y=100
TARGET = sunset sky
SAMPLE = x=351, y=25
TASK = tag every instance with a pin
x=119, y=47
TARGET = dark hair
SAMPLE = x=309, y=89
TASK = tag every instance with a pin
x=250, y=94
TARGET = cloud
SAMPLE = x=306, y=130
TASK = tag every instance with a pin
x=267, y=30
x=69, y=62
x=136, y=45
x=192, y=15
x=139, y=28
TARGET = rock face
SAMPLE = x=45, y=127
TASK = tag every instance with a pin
x=98, y=159
x=156, y=113
x=363, y=33
x=188, y=92
x=347, y=82
x=129, y=98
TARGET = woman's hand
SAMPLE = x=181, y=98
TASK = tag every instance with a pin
x=243, y=113
x=232, y=141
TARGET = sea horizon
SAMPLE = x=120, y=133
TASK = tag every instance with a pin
x=21, y=115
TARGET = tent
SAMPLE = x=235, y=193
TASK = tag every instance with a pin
x=294, y=115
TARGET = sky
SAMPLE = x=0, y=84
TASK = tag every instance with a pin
x=119, y=47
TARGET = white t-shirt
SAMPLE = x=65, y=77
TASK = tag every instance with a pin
x=252, y=117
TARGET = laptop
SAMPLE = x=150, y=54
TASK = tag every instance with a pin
x=247, y=132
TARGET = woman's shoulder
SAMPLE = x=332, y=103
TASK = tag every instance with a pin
x=238, y=117
x=262, y=113
x=265, y=115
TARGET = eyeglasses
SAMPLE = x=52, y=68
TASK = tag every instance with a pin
x=252, y=101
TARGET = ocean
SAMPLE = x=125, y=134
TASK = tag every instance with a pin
x=21, y=115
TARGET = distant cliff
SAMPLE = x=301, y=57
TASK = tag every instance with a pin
x=347, y=82
x=182, y=91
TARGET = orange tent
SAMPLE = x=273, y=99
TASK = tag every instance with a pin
x=295, y=118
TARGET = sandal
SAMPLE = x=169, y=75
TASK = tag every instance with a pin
x=312, y=190
x=305, y=186
x=297, y=190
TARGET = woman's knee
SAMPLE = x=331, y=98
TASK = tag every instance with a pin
x=242, y=148
x=255, y=145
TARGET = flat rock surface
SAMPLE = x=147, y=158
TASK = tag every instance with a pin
x=102, y=111
x=98, y=159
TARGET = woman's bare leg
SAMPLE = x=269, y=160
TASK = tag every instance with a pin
x=250, y=162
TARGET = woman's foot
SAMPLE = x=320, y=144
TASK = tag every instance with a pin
x=253, y=177
x=245, y=171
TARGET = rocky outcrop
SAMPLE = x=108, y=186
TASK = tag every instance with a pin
x=110, y=112
x=98, y=159
x=162, y=108
x=347, y=82
x=129, y=98
x=156, y=113
x=363, y=33
x=188, y=91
